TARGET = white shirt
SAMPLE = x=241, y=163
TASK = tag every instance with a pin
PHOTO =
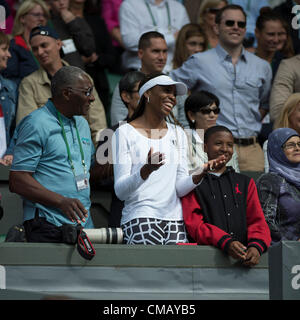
x=158, y=195
x=135, y=19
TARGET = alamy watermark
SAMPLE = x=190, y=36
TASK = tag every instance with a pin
x=114, y=148
x=296, y=19
x=2, y=278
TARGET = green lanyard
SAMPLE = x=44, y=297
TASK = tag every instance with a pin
x=68, y=148
x=152, y=17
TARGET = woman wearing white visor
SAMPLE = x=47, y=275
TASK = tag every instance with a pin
x=150, y=167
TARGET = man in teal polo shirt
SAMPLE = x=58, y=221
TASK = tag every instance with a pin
x=52, y=159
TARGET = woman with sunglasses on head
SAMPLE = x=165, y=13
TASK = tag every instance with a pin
x=207, y=15
x=279, y=190
x=202, y=109
x=150, y=166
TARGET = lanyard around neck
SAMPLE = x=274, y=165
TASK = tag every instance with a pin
x=68, y=148
x=152, y=17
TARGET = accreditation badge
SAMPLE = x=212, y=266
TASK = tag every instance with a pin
x=68, y=46
x=82, y=182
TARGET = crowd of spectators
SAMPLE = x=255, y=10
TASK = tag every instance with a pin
x=233, y=64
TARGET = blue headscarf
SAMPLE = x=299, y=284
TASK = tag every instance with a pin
x=278, y=160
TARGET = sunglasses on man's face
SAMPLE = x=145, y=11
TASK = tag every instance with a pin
x=231, y=23
x=209, y=110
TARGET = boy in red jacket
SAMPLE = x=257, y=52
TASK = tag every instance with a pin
x=224, y=210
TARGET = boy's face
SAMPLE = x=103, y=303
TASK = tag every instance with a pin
x=219, y=143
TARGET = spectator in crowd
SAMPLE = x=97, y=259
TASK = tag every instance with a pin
x=153, y=52
x=22, y=63
x=224, y=210
x=129, y=93
x=286, y=47
x=150, y=167
x=289, y=118
x=104, y=50
x=110, y=14
x=279, y=189
x=78, y=43
x=271, y=38
x=241, y=81
x=34, y=90
x=138, y=17
x=290, y=114
x=285, y=9
x=202, y=109
x=252, y=9
x=286, y=82
x=8, y=98
x=54, y=195
x=206, y=18
x=190, y=40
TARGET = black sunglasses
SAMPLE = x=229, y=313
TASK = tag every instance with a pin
x=231, y=23
x=209, y=110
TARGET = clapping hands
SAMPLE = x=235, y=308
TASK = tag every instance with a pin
x=154, y=162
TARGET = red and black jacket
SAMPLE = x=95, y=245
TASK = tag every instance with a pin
x=226, y=208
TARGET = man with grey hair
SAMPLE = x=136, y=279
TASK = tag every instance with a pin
x=34, y=90
x=52, y=159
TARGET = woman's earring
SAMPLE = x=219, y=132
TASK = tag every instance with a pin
x=148, y=99
x=193, y=121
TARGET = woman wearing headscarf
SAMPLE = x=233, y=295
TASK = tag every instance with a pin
x=279, y=190
x=289, y=118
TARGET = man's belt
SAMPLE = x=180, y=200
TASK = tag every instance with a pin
x=245, y=141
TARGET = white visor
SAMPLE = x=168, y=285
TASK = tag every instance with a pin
x=164, y=80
